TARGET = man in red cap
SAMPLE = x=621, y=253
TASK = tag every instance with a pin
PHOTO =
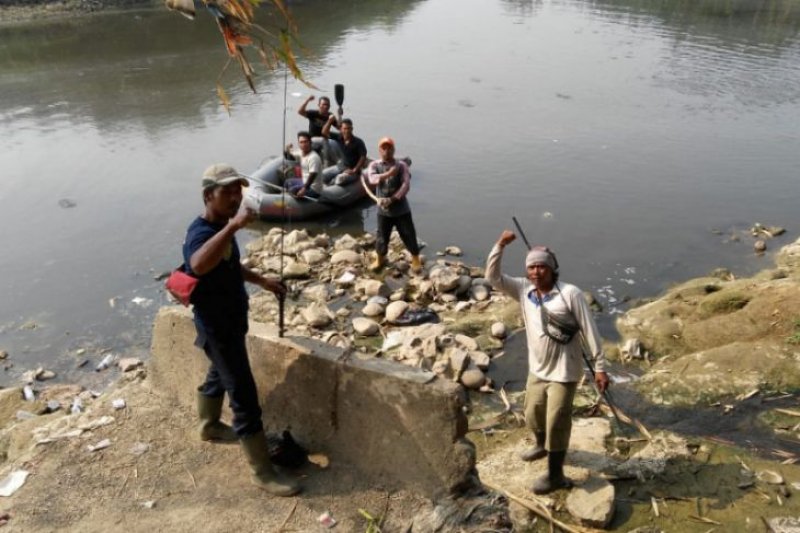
x=556, y=316
x=392, y=180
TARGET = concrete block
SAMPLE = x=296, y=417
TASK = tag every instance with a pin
x=400, y=426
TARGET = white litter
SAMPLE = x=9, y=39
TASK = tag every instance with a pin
x=149, y=504
x=105, y=443
x=119, y=403
x=105, y=362
x=392, y=340
x=96, y=423
x=58, y=436
x=13, y=482
x=141, y=302
x=347, y=277
x=327, y=519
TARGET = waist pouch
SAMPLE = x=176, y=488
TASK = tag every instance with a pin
x=180, y=285
x=559, y=330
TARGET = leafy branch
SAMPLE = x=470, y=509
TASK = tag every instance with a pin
x=236, y=22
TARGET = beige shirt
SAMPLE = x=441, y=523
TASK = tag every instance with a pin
x=548, y=359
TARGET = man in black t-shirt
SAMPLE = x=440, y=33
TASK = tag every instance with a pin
x=211, y=254
x=318, y=118
x=354, y=153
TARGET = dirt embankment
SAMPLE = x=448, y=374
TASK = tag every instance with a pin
x=24, y=10
x=718, y=337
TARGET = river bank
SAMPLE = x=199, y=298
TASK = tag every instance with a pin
x=18, y=11
x=155, y=474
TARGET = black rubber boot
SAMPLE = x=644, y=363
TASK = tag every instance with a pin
x=209, y=410
x=264, y=474
x=535, y=453
x=554, y=479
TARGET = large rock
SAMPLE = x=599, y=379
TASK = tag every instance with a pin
x=372, y=309
x=592, y=503
x=295, y=270
x=479, y=292
x=785, y=524
x=317, y=293
x=317, y=315
x=395, y=310
x=346, y=256
x=314, y=256
x=466, y=341
x=365, y=326
x=373, y=287
x=464, y=284
x=346, y=242
x=444, y=279
x=499, y=330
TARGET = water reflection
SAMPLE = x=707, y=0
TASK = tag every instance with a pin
x=639, y=126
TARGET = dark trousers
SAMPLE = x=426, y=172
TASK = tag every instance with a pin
x=405, y=227
x=230, y=372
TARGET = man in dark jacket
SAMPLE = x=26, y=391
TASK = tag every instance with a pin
x=220, y=304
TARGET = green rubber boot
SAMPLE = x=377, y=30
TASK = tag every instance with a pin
x=209, y=410
x=554, y=479
x=537, y=452
x=264, y=474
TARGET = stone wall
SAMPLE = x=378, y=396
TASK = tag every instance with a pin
x=400, y=426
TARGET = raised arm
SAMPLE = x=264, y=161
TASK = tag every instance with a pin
x=511, y=286
x=302, y=109
x=207, y=257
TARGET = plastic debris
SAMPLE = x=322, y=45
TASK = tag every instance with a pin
x=139, y=448
x=28, y=394
x=53, y=406
x=118, y=403
x=320, y=460
x=141, y=302
x=105, y=443
x=327, y=519
x=149, y=504
x=97, y=423
x=13, y=482
x=77, y=406
x=24, y=415
x=105, y=362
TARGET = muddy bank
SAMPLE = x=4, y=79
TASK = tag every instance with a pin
x=142, y=464
x=21, y=10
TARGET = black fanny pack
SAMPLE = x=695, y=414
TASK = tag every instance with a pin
x=557, y=329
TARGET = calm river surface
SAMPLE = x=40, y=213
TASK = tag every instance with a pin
x=621, y=133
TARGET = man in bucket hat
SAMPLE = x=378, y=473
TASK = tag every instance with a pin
x=556, y=315
x=211, y=254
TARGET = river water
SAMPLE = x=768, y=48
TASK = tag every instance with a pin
x=635, y=138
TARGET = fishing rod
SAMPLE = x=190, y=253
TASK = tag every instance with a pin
x=604, y=393
x=282, y=294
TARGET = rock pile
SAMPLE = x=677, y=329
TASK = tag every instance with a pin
x=446, y=319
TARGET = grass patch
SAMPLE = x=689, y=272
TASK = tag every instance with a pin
x=721, y=303
x=794, y=338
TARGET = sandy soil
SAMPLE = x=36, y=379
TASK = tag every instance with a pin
x=191, y=485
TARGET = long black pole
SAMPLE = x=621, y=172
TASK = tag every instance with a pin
x=583, y=352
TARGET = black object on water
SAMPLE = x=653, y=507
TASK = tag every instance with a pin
x=414, y=318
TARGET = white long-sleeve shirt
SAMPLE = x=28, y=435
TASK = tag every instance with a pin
x=547, y=359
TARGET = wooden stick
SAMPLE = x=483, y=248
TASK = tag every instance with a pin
x=540, y=510
x=288, y=516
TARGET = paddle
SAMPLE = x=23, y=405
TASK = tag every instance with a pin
x=338, y=93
